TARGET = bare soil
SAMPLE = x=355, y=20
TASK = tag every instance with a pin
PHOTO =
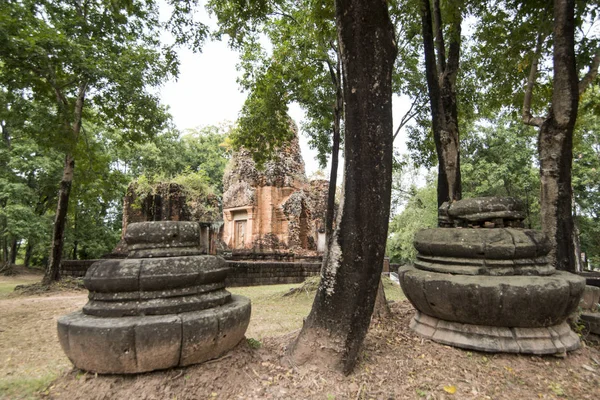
x=395, y=364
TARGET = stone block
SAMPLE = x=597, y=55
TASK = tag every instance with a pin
x=591, y=321
x=157, y=306
x=548, y=340
x=590, y=298
x=158, y=342
x=99, y=344
x=177, y=272
x=113, y=276
x=509, y=301
x=161, y=234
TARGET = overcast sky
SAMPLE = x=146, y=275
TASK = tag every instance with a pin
x=206, y=93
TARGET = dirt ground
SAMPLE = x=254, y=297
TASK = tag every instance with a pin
x=395, y=364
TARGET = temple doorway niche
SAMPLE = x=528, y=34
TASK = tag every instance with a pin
x=240, y=220
x=303, y=222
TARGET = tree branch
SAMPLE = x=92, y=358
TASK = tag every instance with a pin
x=527, y=118
x=409, y=115
x=79, y=109
x=591, y=74
x=439, y=36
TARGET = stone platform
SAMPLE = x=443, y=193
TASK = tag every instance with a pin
x=147, y=343
x=546, y=340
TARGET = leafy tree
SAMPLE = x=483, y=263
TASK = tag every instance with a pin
x=540, y=39
x=586, y=175
x=499, y=160
x=69, y=53
x=441, y=71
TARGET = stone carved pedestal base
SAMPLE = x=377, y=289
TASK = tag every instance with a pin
x=482, y=282
x=547, y=340
x=162, y=307
x=147, y=343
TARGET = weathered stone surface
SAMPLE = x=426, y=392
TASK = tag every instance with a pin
x=482, y=266
x=591, y=298
x=146, y=343
x=144, y=313
x=503, y=243
x=113, y=276
x=163, y=273
x=591, y=321
x=547, y=340
x=157, y=306
x=490, y=289
x=209, y=334
x=275, y=207
x=482, y=209
x=163, y=235
x=508, y=301
x=156, y=294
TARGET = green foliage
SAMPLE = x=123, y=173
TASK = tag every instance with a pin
x=254, y=344
x=498, y=159
x=419, y=213
x=301, y=67
x=586, y=174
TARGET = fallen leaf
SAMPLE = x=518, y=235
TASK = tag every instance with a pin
x=588, y=368
x=450, y=389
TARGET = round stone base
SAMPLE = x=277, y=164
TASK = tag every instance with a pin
x=128, y=345
x=548, y=340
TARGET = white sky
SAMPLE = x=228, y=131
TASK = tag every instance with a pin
x=206, y=93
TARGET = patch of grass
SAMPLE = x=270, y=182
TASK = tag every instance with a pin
x=24, y=388
x=276, y=312
x=272, y=313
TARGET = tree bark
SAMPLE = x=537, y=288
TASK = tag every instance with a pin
x=556, y=141
x=28, y=254
x=334, y=331
x=441, y=81
x=58, y=233
x=14, y=248
x=335, y=149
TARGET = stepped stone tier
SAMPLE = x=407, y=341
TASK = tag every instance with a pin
x=483, y=282
x=163, y=306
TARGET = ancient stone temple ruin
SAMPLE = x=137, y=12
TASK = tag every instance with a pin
x=163, y=306
x=275, y=208
x=484, y=283
x=170, y=201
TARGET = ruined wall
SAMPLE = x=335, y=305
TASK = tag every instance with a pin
x=169, y=201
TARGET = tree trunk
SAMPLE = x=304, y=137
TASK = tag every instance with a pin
x=14, y=248
x=53, y=269
x=334, y=331
x=441, y=82
x=28, y=254
x=556, y=141
x=335, y=149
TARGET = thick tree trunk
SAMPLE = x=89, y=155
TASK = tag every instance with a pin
x=335, y=329
x=53, y=269
x=556, y=141
x=441, y=80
